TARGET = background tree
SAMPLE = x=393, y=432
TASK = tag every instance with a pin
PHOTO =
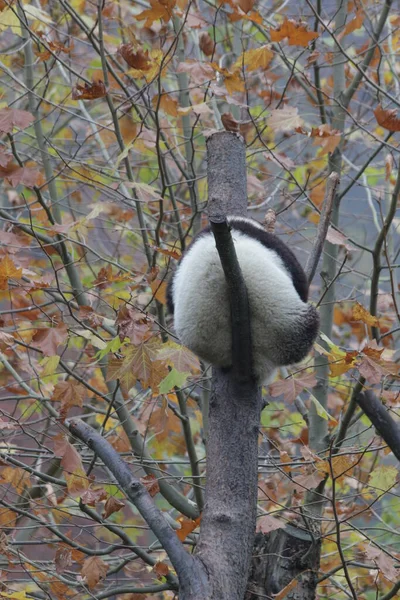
x=106, y=107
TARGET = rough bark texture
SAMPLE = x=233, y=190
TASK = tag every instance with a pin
x=226, y=175
x=283, y=556
x=228, y=523
x=229, y=516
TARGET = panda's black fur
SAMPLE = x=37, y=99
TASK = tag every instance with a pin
x=283, y=325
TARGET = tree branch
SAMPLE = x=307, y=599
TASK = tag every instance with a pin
x=380, y=418
x=313, y=259
x=139, y=496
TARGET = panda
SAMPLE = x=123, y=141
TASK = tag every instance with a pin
x=283, y=324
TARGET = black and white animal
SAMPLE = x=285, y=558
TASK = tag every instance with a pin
x=283, y=324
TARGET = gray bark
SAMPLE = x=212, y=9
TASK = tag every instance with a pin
x=229, y=517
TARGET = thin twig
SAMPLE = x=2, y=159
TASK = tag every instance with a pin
x=313, y=259
x=136, y=492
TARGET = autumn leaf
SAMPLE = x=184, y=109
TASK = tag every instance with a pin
x=135, y=57
x=150, y=482
x=326, y=137
x=133, y=324
x=69, y=393
x=16, y=175
x=112, y=505
x=160, y=9
x=291, y=387
x=93, y=571
x=179, y=357
x=386, y=564
x=199, y=72
x=383, y=478
x=161, y=570
x=63, y=559
x=174, y=379
x=258, y=58
x=336, y=237
x=15, y=476
x=186, y=527
x=139, y=362
x=361, y=314
x=206, y=44
x=168, y=104
x=12, y=117
x=295, y=31
x=229, y=122
x=89, y=91
x=91, y=497
x=48, y=340
x=387, y=118
x=338, y=465
x=354, y=24
x=8, y=270
x=284, y=119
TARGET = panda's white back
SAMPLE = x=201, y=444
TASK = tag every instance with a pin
x=201, y=305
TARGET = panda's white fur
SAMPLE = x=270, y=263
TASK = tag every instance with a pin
x=283, y=326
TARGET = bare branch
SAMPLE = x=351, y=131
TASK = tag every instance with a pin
x=313, y=259
x=139, y=496
x=379, y=416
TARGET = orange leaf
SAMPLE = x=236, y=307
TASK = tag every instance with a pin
x=160, y=9
x=187, y=526
x=8, y=270
x=295, y=31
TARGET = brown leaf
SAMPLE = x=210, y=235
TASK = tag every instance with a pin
x=150, y=482
x=93, y=571
x=292, y=386
x=63, y=559
x=229, y=122
x=385, y=563
x=135, y=57
x=295, y=31
x=69, y=393
x=89, y=91
x=386, y=118
x=161, y=569
x=12, y=117
x=371, y=370
x=92, y=497
x=133, y=324
x=245, y=5
x=16, y=175
x=48, y=340
x=112, y=505
x=206, y=44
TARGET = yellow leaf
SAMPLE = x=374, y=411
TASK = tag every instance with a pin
x=362, y=314
x=9, y=18
x=256, y=58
